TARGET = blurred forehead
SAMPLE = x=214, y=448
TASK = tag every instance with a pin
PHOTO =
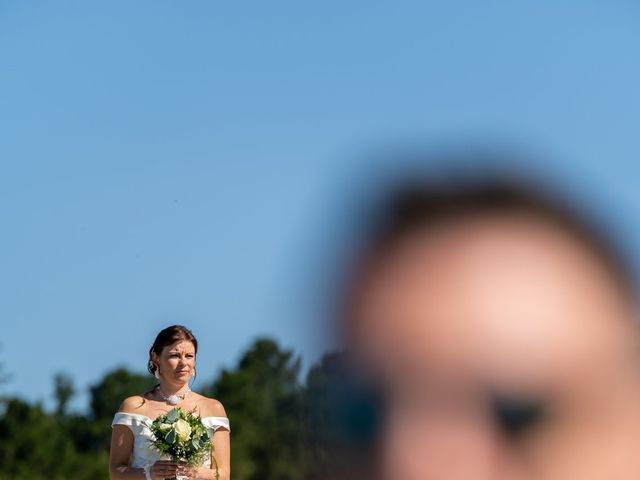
x=504, y=293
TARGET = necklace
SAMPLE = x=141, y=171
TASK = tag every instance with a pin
x=173, y=399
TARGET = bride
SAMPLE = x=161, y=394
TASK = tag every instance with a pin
x=172, y=359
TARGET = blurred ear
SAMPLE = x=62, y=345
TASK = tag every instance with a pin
x=155, y=358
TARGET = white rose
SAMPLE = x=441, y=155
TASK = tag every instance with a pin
x=165, y=426
x=183, y=429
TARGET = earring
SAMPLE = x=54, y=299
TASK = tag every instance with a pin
x=156, y=373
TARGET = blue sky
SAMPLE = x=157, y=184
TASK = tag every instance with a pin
x=176, y=162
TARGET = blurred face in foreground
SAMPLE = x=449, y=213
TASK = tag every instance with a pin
x=506, y=351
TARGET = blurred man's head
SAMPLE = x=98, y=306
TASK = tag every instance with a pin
x=501, y=330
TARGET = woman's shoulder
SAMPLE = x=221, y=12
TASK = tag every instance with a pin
x=133, y=404
x=210, y=407
x=132, y=413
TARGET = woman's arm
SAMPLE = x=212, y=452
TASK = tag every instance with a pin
x=122, y=445
x=121, y=448
x=221, y=446
x=221, y=458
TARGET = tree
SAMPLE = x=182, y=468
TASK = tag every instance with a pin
x=341, y=418
x=33, y=446
x=4, y=376
x=106, y=397
x=264, y=399
x=282, y=429
x=115, y=386
x=63, y=391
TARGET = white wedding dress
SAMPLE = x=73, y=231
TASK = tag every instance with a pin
x=143, y=452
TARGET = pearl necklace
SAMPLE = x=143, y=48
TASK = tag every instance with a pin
x=173, y=399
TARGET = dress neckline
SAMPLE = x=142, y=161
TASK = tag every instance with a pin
x=153, y=419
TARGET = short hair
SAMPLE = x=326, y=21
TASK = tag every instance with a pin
x=419, y=205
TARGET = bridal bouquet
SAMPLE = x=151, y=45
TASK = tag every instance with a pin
x=182, y=436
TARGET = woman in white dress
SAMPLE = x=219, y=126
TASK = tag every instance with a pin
x=172, y=359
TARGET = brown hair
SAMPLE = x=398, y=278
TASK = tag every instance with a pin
x=421, y=205
x=167, y=337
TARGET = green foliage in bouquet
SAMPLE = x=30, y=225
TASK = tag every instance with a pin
x=182, y=436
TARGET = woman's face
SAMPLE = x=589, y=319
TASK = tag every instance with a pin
x=177, y=361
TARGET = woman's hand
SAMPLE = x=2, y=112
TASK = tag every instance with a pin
x=163, y=469
x=196, y=473
x=185, y=470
